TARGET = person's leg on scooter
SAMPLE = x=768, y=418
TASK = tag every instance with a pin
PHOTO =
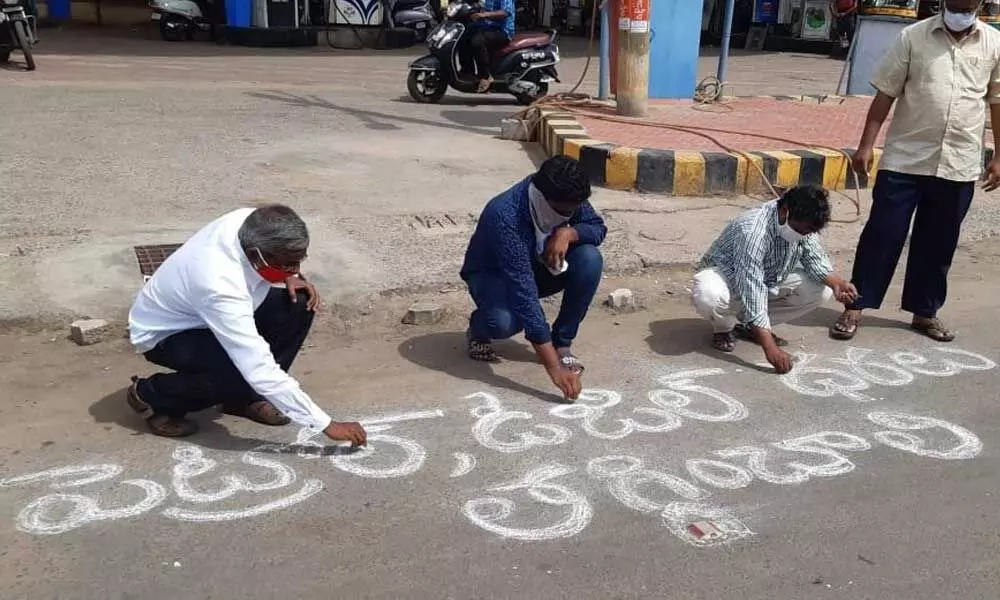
x=484, y=42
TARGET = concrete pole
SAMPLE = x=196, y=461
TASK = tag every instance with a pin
x=633, y=59
x=604, y=79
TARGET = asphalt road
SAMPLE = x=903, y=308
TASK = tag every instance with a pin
x=122, y=141
x=870, y=472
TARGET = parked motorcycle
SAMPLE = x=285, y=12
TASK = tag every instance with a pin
x=524, y=67
x=17, y=32
x=412, y=14
x=180, y=19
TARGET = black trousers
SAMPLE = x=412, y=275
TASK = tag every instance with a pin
x=205, y=376
x=940, y=207
x=483, y=43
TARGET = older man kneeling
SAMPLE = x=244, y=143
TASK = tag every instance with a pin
x=211, y=314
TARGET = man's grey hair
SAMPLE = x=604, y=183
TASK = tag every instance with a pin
x=276, y=231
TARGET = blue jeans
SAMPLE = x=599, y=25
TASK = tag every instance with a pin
x=940, y=208
x=493, y=320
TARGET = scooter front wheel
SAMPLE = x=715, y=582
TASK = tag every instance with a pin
x=172, y=29
x=23, y=39
x=426, y=87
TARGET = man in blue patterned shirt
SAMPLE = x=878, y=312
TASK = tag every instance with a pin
x=535, y=240
x=768, y=267
x=493, y=28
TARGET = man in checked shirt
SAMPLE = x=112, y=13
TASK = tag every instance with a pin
x=768, y=267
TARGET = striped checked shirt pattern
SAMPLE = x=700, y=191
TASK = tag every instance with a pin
x=753, y=257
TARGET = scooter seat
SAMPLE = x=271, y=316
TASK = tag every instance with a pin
x=525, y=40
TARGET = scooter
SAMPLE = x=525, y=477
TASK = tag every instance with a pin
x=525, y=67
x=412, y=14
x=180, y=19
x=17, y=32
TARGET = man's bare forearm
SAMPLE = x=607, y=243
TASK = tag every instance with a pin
x=995, y=126
x=878, y=112
x=547, y=354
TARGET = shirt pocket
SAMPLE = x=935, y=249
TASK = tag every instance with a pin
x=974, y=74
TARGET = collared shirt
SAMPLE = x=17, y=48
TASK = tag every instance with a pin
x=941, y=85
x=753, y=257
x=209, y=283
x=507, y=25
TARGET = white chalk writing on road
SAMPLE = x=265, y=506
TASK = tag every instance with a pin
x=547, y=502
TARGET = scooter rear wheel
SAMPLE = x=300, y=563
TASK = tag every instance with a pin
x=426, y=87
x=526, y=99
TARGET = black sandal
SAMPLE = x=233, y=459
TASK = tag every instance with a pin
x=934, y=329
x=569, y=361
x=724, y=342
x=481, y=351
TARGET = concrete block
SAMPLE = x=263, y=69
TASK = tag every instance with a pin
x=621, y=300
x=423, y=313
x=517, y=130
x=86, y=332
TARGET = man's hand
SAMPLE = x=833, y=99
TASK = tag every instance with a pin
x=567, y=381
x=863, y=159
x=558, y=245
x=991, y=176
x=779, y=359
x=296, y=283
x=347, y=432
x=843, y=290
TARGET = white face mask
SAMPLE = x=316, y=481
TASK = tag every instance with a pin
x=959, y=21
x=785, y=231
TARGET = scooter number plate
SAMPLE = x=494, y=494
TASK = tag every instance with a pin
x=421, y=25
x=155, y=17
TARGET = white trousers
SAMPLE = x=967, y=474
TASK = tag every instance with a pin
x=792, y=298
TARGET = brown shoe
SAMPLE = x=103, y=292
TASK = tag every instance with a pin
x=261, y=411
x=161, y=425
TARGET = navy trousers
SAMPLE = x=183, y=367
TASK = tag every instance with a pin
x=940, y=206
x=493, y=320
x=205, y=376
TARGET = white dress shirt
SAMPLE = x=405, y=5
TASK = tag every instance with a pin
x=209, y=283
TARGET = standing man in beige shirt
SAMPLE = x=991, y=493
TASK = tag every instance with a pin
x=940, y=73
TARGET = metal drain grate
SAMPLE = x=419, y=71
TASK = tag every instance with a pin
x=151, y=257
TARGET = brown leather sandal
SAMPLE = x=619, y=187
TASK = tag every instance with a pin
x=934, y=329
x=260, y=411
x=846, y=326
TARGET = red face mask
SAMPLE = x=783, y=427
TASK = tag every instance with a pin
x=268, y=273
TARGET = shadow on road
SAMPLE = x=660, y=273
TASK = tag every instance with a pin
x=678, y=337
x=372, y=119
x=113, y=409
x=445, y=352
